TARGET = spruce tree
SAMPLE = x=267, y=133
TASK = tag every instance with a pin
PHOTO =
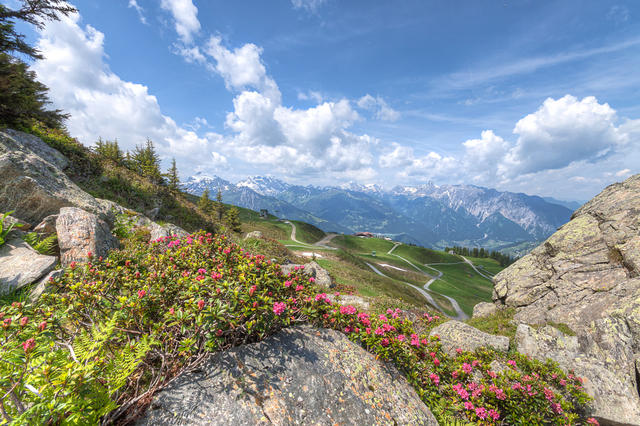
x=219, y=204
x=204, y=203
x=172, y=177
x=147, y=162
x=232, y=218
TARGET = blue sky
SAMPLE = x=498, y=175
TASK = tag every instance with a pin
x=533, y=96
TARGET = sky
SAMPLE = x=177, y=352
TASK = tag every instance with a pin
x=534, y=96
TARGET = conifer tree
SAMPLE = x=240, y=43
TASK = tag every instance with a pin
x=232, y=218
x=204, y=203
x=147, y=162
x=172, y=177
x=219, y=204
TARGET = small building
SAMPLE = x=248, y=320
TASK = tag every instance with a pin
x=264, y=213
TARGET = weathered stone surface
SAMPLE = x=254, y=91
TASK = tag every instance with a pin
x=81, y=232
x=455, y=334
x=42, y=286
x=348, y=299
x=18, y=225
x=600, y=357
x=322, y=277
x=47, y=226
x=166, y=230
x=254, y=234
x=21, y=265
x=583, y=271
x=33, y=183
x=484, y=309
x=300, y=376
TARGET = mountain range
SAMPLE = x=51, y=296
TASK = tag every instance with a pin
x=429, y=215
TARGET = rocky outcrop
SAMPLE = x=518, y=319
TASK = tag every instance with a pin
x=166, y=230
x=601, y=357
x=253, y=234
x=42, y=286
x=80, y=233
x=484, y=309
x=298, y=376
x=21, y=265
x=587, y=275
x=455, y=334
x=583, y=271
x=47, y=226
x=321, y=276
x=33, y=183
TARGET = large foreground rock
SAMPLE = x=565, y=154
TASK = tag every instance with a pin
x=312, y=269
x=299, y=376
x=32, y=181
x=81, y=232
x=21, y=265
x=587, y=275
x=455, y=334
x=602, y=358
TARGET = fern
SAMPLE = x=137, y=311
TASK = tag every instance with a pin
x=41, y=245
x=5, y=231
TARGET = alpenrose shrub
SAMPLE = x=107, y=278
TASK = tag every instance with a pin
x=112, y=331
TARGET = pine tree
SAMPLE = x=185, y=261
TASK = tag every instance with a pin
x=219, y=204
x=204, y=203
x=232, y=218
x=172, y=177
x=147, y=162
x=109, y=150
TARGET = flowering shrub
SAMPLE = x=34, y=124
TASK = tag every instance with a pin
x=115, y=330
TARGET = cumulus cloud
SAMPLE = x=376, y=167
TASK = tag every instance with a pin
x=100, y=103
x=379, y=107
x=185, y=15
x=429, y=166
x=134, y=4
x=563, y=131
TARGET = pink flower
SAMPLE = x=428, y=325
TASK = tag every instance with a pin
x=459, y=350
x=436, y=362
x=511, y=363
x=23, y=321
x=494, y=414
x=42, y=326
x=400, y=337
x=556, y=408
x=548, y=393
x=385, y=342
x=73, y=265
x=202, y=271
x=172, y=311
x=379, y=331
x=592, y=421
x=348, y=310
x=299, y=288
x=434, y=378
x=312, y=280
x=287, y=283
x=481, y=412
x=252, y=290
x=475, y=363
x=468, y=405
x=467, y=368
x=200, y=304
x=29, y=345
x=141, y=294
x=279, y=308
x=322, y=296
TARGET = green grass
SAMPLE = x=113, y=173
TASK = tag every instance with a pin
x=497, y=323
x=308, y=233
x=421, y=255
x=463, y=284
x=362, y=245
x=489, y=265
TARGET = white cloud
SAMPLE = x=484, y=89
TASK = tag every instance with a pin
x=311, y=95
x=134, y=4
x=378, y=105
x=185, y=15
x=429, y=166
x=563, y=131
x=100, y=103
x=310, y=5
x=623, y=173
x=242, y=68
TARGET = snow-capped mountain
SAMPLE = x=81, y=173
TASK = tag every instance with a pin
x=432, y=215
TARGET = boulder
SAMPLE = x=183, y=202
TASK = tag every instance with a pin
x=300, y=375
x=81, y=232
x=166, y=230
x=322, y=277
x=455, y=334
x=41, y=287
x=21, y=265
x=584, y=270
x=484, y=309
x=33, y=183
x=47, y=226
x=601, y=358
x=348, y=299
x=254, y=234
x=18, y=225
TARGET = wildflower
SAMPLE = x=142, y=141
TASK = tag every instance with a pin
x=468, y=405
x=141, y=294
x=312, y=280
x=592, y=421
x=252, y=290
x=287, y=283
x=200, y=304
x=219, y=333
x=385, y=342
x=6, y=323
x=475, y=363
x=436, y=362
x=481, y=412
x=202, y=271
x=512, y=363
x=563, y=382
x=42, y=326
x=400, y=337
x=459, y=350
x=279, y=308
x=299, y=288
x=347, y=310
x=23, y=321
x=137, y=274
x=73, y=265
x=467, y=368
x=89, y=255
x=548, y=393
x=126, y=263
x=557, y=408
x=494, y=414
x=434, y=378
x=172, y=311
x=28, y=345
x=379, y=331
